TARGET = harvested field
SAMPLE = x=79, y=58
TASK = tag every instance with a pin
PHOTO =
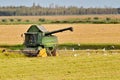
x=90, y=33
x=83, y=33
x=69, y=65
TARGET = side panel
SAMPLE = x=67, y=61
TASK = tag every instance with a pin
x=50, y=41
x=39, y=40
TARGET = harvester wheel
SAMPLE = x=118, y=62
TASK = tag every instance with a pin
x=49, y=53
x=54, y=52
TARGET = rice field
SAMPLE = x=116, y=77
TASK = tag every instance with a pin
x=83, y=33
x=69, y=65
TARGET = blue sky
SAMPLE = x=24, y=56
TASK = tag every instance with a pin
x=79, y=3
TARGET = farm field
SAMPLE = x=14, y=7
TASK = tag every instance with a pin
x=35, y=18
x=83, y=33
x=69, y=65
x=90, y=52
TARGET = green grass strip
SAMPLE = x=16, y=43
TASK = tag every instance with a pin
x=71, y=46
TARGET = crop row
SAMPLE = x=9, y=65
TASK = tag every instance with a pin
x=94, y=20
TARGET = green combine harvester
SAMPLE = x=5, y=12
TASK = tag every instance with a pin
x=37, y=36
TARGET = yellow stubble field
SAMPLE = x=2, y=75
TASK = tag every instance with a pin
x=83, y=33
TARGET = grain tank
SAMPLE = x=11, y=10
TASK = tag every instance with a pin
x=36, y=36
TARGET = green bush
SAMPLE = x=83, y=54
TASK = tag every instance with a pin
x=65, y=21
x=4, y=20
x=98, y=22
x=42, y=20
x=56, y=21
x=89, y=18
x=95, y=18
x=19, y=20
x=11, y=20
x=108, y=19
x=27, y=20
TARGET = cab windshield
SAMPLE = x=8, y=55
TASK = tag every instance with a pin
x=30, y=39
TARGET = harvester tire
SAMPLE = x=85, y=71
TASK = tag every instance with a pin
x=54, y=52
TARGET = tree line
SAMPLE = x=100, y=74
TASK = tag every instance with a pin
x=37, y=10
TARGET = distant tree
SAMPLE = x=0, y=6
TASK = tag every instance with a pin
x=54, y=10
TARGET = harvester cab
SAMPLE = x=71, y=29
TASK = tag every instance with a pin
x=37, y=36
x=30, y=39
